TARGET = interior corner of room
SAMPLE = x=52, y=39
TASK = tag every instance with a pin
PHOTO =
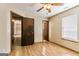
x=58, y=31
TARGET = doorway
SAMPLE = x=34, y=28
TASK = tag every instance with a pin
x=16, y=29
x=45, y=30
x=27, y=31
x=22, y=30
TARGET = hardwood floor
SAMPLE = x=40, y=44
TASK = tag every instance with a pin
x=42, y=49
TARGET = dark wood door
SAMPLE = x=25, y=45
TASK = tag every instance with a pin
x=46, y=30
x=12, y=33
x=27, y=31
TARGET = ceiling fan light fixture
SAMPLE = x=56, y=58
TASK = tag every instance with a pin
x=47, y=6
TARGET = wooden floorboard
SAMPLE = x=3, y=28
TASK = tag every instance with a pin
x=42, y=49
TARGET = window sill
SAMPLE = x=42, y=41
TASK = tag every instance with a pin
x=76, y=41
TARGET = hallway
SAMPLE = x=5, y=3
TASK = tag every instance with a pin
x=42, y=49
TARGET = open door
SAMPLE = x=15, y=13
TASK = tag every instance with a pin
x=45, y=30
x=27, y=31
x=16, y=29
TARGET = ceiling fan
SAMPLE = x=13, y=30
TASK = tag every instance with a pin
x=47, y=6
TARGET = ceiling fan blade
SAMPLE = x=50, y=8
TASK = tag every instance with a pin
x=57, y=4
x=40, y=9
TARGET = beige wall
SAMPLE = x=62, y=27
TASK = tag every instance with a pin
x=4, y=41
x=55, y=29
x=38, y=29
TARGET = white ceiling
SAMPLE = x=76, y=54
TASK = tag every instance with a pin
x=31, y=8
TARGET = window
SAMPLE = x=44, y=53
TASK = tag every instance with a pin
x=69, y=27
